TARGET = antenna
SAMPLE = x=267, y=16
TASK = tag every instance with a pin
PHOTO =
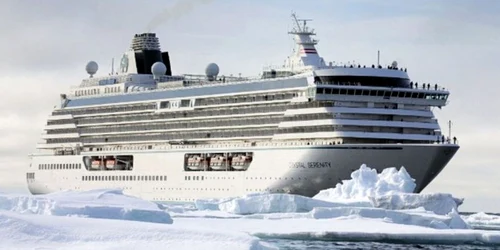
x=378, y=58
x=112, y=66
x=294, y=16
x=449, y=129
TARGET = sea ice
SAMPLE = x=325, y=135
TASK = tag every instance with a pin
x=391, y=189
x=28, y=231
x=277, y=203
x=483, y=221
x=109, y=204
x=365, y=182
x=370, y=207
x=438, y=203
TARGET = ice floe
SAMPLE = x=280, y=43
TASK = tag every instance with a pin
x=482, y=220
x=28, y=231
x=109, y=204
x=370, y=207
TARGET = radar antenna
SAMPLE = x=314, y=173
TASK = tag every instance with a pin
x=301, y=28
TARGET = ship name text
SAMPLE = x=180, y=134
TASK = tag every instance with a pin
x=310, y=164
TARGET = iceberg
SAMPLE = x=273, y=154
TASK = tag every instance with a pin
x=365, y=182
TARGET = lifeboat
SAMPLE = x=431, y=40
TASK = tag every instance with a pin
x=218, y=162
x=196, y=162
x=96, y=164
x=241, y=162
x=110, y=164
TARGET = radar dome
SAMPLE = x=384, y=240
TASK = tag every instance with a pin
x=394, y=64
x=212, y=71
x=158, y=69
x=91, y=68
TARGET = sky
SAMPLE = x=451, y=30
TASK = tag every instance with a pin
x=45, y=46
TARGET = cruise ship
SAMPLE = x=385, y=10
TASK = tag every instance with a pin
x=297, y=128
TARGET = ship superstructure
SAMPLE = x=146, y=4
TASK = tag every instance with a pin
x=298, y=128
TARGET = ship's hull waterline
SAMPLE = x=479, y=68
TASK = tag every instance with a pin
x=303, y=170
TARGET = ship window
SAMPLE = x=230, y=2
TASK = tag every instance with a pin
x=401, y=94
x=358, y=92
x=414, y=95
x=350, y=91
x=189, y=178
x=202, y=178
x=164, y=105
x=394, y=93
x=161, y=178
x=165, y=178
x=343, y=91
x=185, y=103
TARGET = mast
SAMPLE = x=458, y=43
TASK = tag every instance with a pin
x=449, y=129
x=305, y=53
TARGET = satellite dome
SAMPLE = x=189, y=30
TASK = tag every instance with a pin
x=158, y=69
x=91, y=68
x=212, y=71
x=394, y=64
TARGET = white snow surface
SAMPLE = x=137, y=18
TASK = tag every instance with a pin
x=366, y=182
x=370, y=207
x=278, y=203
x=438, y=203
x=392, y=189
x=108, y=203
x=28, y=231
x=483, y=220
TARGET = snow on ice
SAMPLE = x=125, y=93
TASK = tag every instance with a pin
x=370, y=206
x=108, y=204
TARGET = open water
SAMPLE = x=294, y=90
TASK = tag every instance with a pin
x=317, y=245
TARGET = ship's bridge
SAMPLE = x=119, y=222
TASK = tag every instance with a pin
x=364, y=76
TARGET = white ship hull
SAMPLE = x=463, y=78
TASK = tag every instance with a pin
x=301, y=170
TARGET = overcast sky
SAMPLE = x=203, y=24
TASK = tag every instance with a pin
x=46, y=44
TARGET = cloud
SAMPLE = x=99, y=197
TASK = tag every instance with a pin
x=179, y=9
